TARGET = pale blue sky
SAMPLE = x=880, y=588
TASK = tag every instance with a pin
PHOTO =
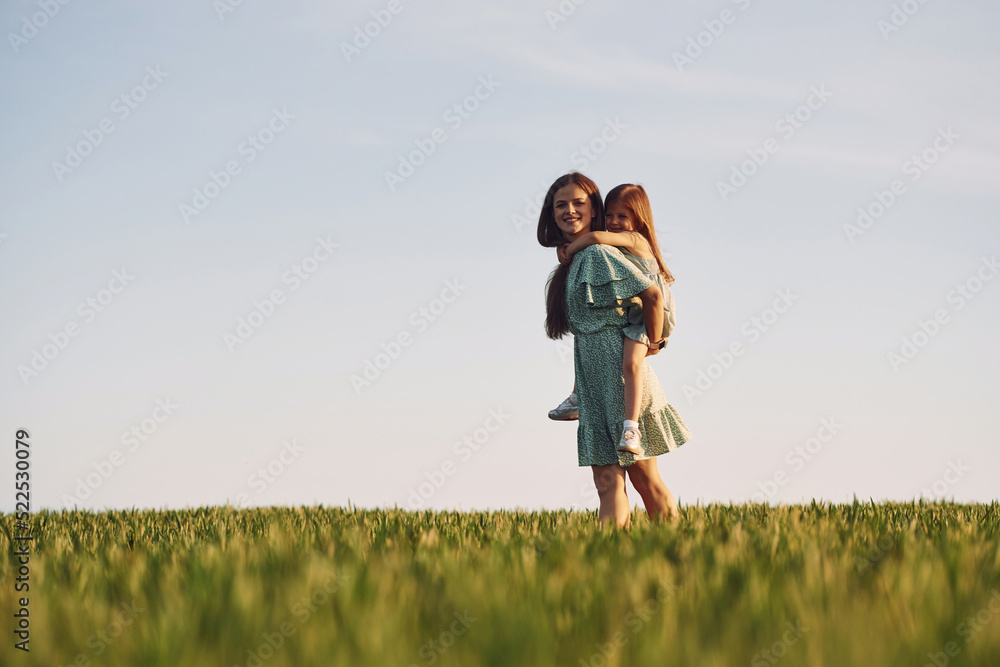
x=336, y=127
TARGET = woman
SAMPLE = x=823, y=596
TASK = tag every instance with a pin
x=589, y=298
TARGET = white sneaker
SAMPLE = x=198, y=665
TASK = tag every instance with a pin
x=568, y=410
x=630, y=442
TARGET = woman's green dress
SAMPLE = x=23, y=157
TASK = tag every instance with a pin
x=599, y=287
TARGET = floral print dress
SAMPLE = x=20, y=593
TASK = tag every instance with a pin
x=600, y=287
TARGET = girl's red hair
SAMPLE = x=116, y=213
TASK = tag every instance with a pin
x=634, y=198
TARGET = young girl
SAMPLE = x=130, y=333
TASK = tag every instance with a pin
x=630, y=227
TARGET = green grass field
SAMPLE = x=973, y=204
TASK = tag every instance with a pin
x=838, y=585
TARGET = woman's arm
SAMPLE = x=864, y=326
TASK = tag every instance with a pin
x=652, y=312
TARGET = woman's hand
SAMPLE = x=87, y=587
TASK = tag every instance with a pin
x=564, y=257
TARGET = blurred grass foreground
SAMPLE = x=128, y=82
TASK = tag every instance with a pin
x=840, y=585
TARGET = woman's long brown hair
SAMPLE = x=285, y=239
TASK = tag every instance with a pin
x=635, y=199
x=550, y=236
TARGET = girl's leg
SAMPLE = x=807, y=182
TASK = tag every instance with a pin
x=632, y=358
x=659, y=502
x=610, y=483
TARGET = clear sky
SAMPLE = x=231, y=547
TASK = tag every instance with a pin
x=168, y=170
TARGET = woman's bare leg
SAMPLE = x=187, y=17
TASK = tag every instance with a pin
x=632, y=358
x=610, y=483
x=659, y=502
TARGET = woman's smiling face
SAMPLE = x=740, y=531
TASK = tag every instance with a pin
x=572, y=210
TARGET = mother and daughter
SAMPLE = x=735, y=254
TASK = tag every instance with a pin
x=610, y=291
